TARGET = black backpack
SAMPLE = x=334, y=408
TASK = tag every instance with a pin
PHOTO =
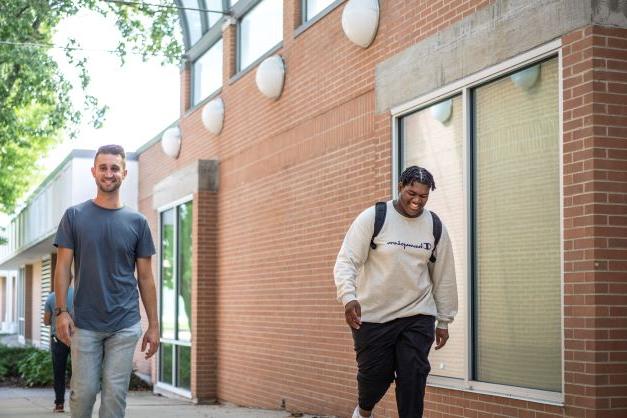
x=379, y=219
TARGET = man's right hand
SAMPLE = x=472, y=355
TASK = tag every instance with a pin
x=65, y=328
x=352, y=314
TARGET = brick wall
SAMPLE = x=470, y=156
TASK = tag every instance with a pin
x=293, y=175
x=204, y=296
x=595, y=221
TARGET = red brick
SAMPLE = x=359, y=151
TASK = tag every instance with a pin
x=269, y=275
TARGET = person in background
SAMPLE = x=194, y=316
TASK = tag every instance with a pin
x=60, y=351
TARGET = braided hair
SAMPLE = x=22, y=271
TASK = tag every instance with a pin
x=415, y=174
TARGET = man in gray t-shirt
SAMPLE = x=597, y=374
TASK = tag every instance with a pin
x=107, y=242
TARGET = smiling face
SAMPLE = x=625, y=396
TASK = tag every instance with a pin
x=412, y=198
x=109, y=171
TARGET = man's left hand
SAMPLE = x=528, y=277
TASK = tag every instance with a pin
x=441, y=337
x=151, y=339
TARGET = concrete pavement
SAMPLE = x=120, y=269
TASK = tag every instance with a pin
x=38, y=403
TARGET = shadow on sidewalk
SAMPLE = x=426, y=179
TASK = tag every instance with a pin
x=36, y=402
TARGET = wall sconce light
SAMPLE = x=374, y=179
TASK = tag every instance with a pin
x=360, y=21
x=213, y=116
x=271, y=76
x=525, y=79
x=171, y=142
x=442, y=111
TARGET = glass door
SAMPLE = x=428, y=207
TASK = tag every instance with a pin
x=175, y=296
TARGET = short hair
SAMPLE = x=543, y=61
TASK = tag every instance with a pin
x=415, y=174
x=111, y=150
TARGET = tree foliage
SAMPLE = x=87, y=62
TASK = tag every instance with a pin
x=35, y=106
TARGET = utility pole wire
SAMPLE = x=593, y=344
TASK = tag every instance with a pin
x=69, y=48
x=141, y=3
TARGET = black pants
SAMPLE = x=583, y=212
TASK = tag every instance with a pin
x=60, y=353
x=396, y=349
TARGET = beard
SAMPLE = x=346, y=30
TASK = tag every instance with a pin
x=109, y=188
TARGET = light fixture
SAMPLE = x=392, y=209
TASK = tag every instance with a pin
x=271, y=76
x=360, y=20
x=442, y=111
x=525, y=79
x=213, y=115
x=171, y=142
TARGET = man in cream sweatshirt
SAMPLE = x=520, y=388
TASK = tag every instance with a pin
x=393, y=295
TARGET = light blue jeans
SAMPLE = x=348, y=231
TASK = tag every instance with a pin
x=102, y=361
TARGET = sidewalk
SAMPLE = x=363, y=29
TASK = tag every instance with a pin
x=37, y=403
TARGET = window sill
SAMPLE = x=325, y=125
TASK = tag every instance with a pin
x=255, y=63
x=306, y=25
x=523, y=394
x=172, y=391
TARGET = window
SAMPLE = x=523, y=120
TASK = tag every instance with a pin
x=439, y=148
x=193, y=20
x=198, y=16
x=517, y=239
x=313, y=7
x=259, y=31
x=176, y=285
x=207, y=73
x=214, y=5
x=498, y=188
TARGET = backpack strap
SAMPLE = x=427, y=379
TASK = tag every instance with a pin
x=437, y=233
x=379, y=219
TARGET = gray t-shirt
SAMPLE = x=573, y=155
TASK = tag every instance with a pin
x=51, y=304
x=106, y=244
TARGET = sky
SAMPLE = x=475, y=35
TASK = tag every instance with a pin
x=143, y=97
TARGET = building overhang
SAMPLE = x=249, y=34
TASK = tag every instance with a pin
x=29, y=255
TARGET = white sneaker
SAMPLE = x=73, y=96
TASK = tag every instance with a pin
x=356, y=413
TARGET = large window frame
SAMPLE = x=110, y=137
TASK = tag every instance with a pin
x=241, y=10
x=196, y=101
x=211, y=34
x=204, y=20
x=464, y=87
x=161, y=384
x=322, y=12
x=307, y=21
x=235, y=12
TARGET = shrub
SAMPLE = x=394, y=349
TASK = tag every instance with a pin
x=35, y=368
x=137, y=383
x=30, y=366
x=9, y=359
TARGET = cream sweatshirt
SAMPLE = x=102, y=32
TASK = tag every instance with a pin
x=396, y=279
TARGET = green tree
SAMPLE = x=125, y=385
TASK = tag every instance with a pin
x=35, y=106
